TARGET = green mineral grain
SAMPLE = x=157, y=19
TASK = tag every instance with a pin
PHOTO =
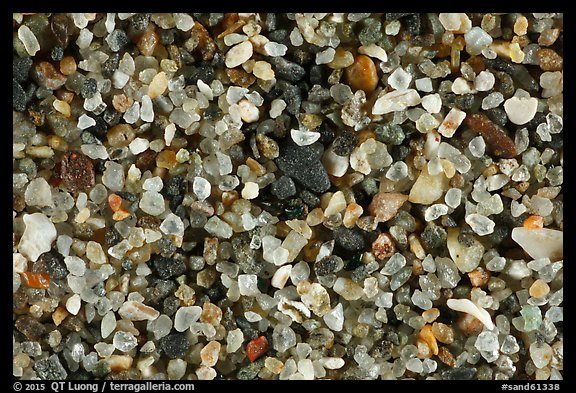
x=532, y=317
x=251, y=371
x=391, y=134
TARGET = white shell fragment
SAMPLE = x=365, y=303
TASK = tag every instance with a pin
x=136, y=311
x=469, y=307
x=396, y=101
x=304, y=137
x=451, y=122
x=238, y=54
x=540, y=242
x=38, y=236
x=375, y=51
x=281, y=276
x=521, y=110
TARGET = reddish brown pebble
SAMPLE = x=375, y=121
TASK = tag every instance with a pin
x=47, y=76
x=533, y=222
x=497, y=140
x=211, y=314
x=228, y=20
x=383, y=246
x=146, y=160
x=479, y=277
x=77, y=172
x=38, y=118
x=457, y=181
x=30, y=327
x=36, y=280
x=206, y=45
x=147, y=42
x=256, y=348
x=446, y=357
x=240, y=77
x=166, y=159
x=549, y=60
x=64, y=95
x=229, y=197
x=114, y=201
x=362, y=74
x=311, y=250
x=257, y=168
x=385, y=205
x=469, y=325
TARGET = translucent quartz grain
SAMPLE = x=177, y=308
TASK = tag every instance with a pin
x=124, y=341
x=38, y=193
x=435, y=211
x=477, y=146
x=28, y=39
x=453, y=197
x=400, y=79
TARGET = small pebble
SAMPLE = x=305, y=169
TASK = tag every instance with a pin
x=38, y=236
x=432, y=103
x=539, y=289
x=362, y=74
x=396, y=101
x=469, y=307
x=302, y=164
x=248, y=111
x=238, y=54
x=28, y=39
x=158, y=85
x=47, y=76
x=147, y=42
x=496, y=138
x=520, y=110
x=375, y=51
x=250, y=191
x=385, y=205
x=451, y=122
